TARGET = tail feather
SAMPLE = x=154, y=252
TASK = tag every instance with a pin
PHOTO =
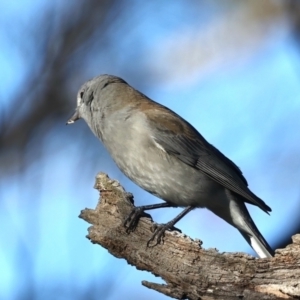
x=240, y=218
x=258, y=244
x=253, y=236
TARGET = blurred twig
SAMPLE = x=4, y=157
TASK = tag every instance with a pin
x=61, y=42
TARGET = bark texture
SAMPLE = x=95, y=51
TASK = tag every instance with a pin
x=189, y=271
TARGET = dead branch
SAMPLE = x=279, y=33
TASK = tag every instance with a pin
x=189, y=271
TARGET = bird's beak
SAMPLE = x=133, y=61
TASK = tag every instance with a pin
x=74, y=118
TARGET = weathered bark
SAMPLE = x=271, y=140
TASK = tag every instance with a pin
x=189, y=271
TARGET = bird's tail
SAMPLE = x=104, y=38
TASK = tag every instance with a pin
x=252, y=235
x=258, y=243
x=234, y=211
x=239, y=217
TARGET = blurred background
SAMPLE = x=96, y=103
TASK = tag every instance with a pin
x=231, y=68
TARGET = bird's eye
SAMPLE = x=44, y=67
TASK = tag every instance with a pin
x=79, y=98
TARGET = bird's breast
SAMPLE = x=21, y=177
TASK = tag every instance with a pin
x=148, y=165
x=163, y=175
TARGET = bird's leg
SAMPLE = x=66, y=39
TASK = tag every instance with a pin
x=133, y=218
x=161, y=228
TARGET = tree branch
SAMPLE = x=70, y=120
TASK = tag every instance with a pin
x=189, y=271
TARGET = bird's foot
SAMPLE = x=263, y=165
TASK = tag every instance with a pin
x=159, y=233
x=137, y=212
x=132, y=220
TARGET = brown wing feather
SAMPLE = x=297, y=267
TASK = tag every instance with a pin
x=182, y=140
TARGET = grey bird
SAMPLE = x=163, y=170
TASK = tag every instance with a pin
x=166, y=156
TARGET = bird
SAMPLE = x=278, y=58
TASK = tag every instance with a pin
x=167, y=157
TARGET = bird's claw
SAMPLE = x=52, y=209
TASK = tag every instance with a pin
x=159, y=233
x=132, y=220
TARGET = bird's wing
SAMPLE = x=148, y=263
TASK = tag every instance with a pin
x=177, y=137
